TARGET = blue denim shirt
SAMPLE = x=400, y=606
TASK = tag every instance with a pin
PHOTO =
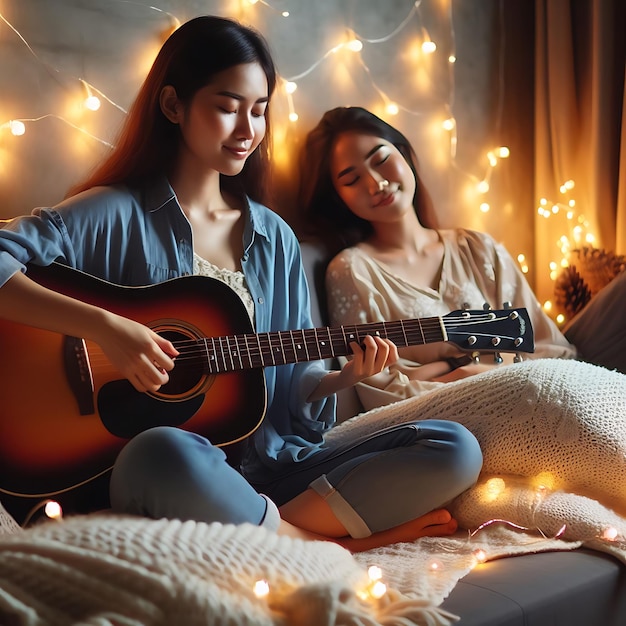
x=140, y=236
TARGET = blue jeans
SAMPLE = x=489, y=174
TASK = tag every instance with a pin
x=373, y=483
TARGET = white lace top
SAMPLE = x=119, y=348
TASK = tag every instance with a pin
x=235, y=280
x=475, y=269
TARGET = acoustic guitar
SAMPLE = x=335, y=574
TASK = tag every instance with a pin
x=65, y=411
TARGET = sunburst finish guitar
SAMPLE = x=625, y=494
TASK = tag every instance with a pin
x=65, y=412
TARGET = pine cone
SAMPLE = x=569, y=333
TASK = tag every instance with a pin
x=597, y=267
x=571, y=292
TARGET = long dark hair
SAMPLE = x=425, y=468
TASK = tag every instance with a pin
x=148, y=143
x=325, y=212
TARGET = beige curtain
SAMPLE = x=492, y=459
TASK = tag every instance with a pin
x=580, y=130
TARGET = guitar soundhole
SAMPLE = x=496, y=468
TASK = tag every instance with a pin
x=188, y=373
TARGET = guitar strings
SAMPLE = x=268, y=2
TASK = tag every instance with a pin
x=260, y=349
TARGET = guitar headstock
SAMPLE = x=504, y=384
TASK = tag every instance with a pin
x=502, y=330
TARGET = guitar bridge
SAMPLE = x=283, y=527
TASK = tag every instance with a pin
x=78, y=373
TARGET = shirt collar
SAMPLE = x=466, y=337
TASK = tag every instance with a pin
x=158, y=193
x=257, y=220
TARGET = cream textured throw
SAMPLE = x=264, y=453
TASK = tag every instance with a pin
x=553, y=435
x=105, y=570
x=7, y=524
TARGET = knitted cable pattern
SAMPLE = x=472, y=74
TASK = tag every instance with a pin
x=7, y=523
x=553, y=436
x=562, y=419
x=106, y=570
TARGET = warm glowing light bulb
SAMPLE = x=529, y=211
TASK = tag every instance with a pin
x=544, y=481
x=493, y=160
x=480, y=555
x=435, y=566
x=261, y=588
x=17, y=127
x=569, y=184
x=503, y=152
x=610, y=534
x=378, y=590
x=290, y=86
x=392, y=108
x=448, y=124
x=524, y=268
x=577, y=232
x=428, y=47
x=92, y=103
x=521, y=258
x=589, y=238
x=355, y=45
x=53, y=510
x=572, y=203
x=560, y=318
x=484, y=207
x=483, y=186
x=285, y=13
x=543, y=201
x=547, y=305
x=293, y=117
x=495, y=486
x=451, y=59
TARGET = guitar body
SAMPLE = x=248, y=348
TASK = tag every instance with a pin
x=66, y=412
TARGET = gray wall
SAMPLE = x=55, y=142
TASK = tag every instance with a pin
x=110, y=44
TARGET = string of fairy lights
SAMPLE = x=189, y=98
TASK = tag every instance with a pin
x=490, y=490
x=577, y=230
x=353, y=43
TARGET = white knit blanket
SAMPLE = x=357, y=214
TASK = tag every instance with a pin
x=553, y=435
x=105, y=570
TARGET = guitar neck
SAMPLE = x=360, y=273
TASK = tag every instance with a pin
x=248, y=351
x=504, y=330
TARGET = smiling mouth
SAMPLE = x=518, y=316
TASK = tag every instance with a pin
x=386, y=199
x=239, y=153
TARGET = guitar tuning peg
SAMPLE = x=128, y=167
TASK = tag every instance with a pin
x=486, y=306
x=465, y=306
x=476, y=357
x=517, y=358
x=497, y=358
x=507, y=305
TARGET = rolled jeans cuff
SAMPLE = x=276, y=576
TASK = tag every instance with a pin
x=351, y=520
x=271, y=519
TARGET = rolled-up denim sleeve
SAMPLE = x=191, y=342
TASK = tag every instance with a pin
x=39, y=238
x=9, y=266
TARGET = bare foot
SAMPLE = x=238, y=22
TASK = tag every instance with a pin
x=438, y=523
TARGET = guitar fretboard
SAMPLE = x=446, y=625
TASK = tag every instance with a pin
x=237, y=352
